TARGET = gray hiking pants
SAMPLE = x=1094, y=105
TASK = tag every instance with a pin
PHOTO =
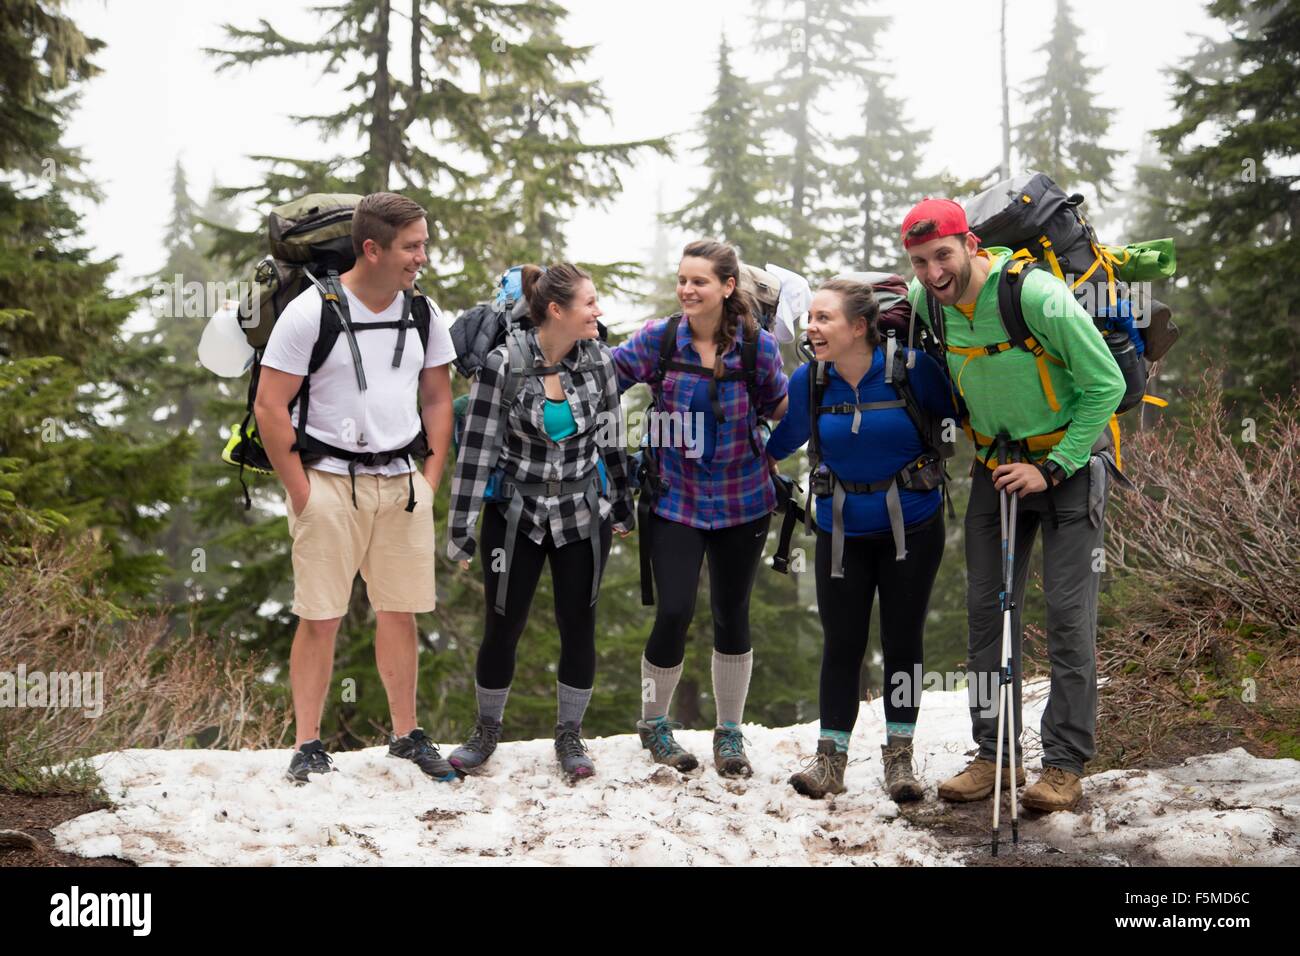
x=1072, y=563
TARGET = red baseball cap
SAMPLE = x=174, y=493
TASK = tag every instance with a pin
x=949, y=220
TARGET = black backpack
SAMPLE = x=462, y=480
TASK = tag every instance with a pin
x=1032, y=214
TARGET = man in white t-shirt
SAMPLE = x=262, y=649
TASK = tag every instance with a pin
x=355, y=503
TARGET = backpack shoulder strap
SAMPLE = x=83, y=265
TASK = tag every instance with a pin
x=668, y=344
x=1011, y=308
x=935, y=313
x=896, y=376
x=333, y=307
x=749, y=363
x=336, y=320
x=404, y=323
x=516, y=363
x=816, y=389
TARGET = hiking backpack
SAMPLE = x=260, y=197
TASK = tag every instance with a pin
x=1031, y=215
x=310, y=243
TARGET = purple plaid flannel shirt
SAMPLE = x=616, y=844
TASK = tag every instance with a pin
x=735, y=486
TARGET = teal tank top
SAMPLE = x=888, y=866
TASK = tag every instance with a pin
x=557, y=418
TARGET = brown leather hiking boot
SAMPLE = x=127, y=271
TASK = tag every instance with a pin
x=729, y=752
x=902, y=786
x=976, y=781
x=823, y=773
x=1055, y=789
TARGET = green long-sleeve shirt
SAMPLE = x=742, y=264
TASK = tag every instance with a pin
x=1003, y=391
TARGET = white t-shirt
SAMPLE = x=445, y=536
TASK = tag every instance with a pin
x=383, y=417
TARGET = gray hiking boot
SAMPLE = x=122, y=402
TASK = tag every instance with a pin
x=823, y=773
x=572, y=752
x=657, y=737
x=899, y=781
x=419, y=749
x=473, y=753
x=729, y=751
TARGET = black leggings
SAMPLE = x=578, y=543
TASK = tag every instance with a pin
x=574, y=613
x=677, y=555
x=845, y=608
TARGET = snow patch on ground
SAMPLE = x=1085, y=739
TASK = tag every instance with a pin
x=206, y=807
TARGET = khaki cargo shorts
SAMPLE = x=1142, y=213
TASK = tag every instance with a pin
x=391, y=547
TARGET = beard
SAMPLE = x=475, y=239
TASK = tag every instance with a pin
x=961, y=280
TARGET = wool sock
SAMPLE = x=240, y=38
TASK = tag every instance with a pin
x=657, y=687
x=491, y=703
x=838, y=737
x=731, y=685
x=897, y=733
x=571, y=703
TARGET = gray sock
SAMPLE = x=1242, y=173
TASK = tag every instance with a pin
x=731, y=685
x=491, y=703
x=571, y=703
x=657, y=686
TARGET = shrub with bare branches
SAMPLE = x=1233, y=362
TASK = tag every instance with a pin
x=1208, y=555
x=158, y=689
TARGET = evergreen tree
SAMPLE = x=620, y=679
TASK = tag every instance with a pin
x=660, y=271
x=541, y=169
x=881, y=179
x=1233, y=195
x=65, y=369
x=180, y=397
x=1064, y=135
x=735, y=202
x=508, y=158
x=506, y=167
x=821, y=45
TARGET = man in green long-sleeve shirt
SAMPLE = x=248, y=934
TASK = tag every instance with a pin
x=1056, y=406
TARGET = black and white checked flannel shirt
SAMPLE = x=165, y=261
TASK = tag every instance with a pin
x=526, y=452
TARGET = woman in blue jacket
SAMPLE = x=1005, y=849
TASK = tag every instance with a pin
x=874, y=465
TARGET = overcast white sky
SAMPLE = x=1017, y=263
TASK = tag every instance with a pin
x=159, y=96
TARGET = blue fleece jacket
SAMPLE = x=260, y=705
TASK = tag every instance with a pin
x=885, y=442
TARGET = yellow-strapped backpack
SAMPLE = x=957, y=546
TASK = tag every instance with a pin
x=1029, y=213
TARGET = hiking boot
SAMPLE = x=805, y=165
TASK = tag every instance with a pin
x=308, y=759
x=418, y=748
x=729, y=752
x=572, y=752
x=1055, y=789
x=976, y=781
x=657, y=737
x=823, y=773
x=470, y=756
x=903, y=787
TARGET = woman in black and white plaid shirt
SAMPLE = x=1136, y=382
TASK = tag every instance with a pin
x=553, y=472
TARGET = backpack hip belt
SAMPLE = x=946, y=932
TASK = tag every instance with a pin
x=923, y=474
x=310, y=449
x=515, y=491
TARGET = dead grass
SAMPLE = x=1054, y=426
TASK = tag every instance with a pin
x=158, y=689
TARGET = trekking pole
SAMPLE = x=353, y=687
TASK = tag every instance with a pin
x=1006, y=685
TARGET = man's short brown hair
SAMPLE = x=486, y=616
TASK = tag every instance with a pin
x=921, y=229
x=380, y=216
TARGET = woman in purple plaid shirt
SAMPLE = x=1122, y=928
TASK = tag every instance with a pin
x=718, y=495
